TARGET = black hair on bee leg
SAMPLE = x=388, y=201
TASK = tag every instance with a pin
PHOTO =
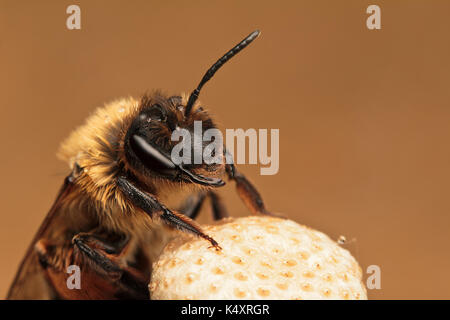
x=150, y=205
x=92, y=249
x=108, y=258
x=131, y=284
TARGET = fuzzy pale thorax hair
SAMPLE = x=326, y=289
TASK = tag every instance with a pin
x=96, y=147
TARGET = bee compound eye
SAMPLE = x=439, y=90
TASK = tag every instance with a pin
x=157, y=113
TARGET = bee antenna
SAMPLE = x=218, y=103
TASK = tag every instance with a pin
x=216, y=66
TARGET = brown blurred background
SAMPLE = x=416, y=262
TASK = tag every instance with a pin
x=363, y=115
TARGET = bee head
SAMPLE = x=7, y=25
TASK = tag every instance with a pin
x=149, y=143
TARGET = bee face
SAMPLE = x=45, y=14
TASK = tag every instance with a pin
x=148, y=145
x=148, y=141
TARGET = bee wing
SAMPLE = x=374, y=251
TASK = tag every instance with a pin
x=30, y=281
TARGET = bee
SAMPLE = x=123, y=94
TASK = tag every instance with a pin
x=109, y=217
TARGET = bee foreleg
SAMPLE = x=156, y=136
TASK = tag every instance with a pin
x=150, y=205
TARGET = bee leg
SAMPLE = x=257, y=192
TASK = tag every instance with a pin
x=108, y=259
x=103, y=273
x=105, y=256
x=247, y=192
x=150, y=205
x=218, y=208
x=192, y=206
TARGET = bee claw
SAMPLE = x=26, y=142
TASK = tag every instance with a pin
x=215, y=246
